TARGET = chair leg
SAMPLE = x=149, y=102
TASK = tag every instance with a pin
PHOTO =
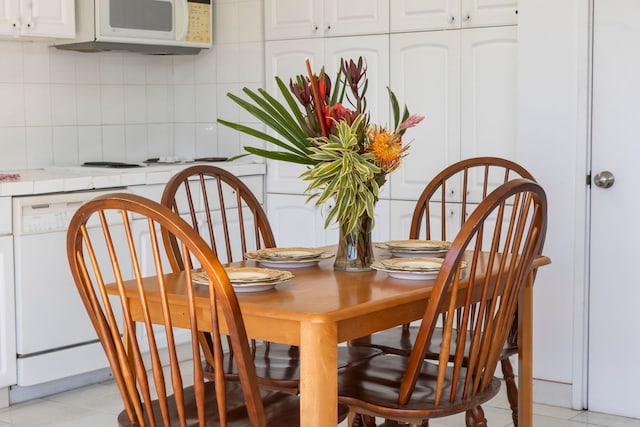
x=512, y=389
x=475, y=417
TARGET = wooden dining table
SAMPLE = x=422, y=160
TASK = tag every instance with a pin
x=320, y=307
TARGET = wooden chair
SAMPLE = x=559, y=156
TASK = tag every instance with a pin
x=475, y=315
x=434, y=218
x=152, y=393
x=222, y=209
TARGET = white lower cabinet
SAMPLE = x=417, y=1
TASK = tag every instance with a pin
x=7, y=314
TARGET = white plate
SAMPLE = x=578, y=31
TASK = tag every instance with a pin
x=412, y=264
x=295, y=253
x=408, y=275
x=200, y=277
x=417, y=245
x=287, y=263
x=415, y=248
x=253, y=275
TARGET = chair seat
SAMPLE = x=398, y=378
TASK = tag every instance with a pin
x=281, y=409
x=374, y=384
x=400, y=341
x=278, y=365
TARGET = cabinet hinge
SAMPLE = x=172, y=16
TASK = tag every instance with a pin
x=589, y=180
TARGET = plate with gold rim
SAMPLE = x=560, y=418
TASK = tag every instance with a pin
x=269, y=281
x=287, y=263
x=294, y=253
x=413, y=264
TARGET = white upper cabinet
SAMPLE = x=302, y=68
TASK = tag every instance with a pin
x=425, y=75
x=417, y=15
x=464, y=83
x=37, y=18
x=287, y=19
x=286, y=59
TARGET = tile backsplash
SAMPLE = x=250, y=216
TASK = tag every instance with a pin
x=63, y=108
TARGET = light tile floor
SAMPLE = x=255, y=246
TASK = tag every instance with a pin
x=97, y=406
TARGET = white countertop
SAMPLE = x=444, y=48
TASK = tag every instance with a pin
x=57, y=179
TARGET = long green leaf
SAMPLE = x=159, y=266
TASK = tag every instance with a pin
x=261, y=135
x=291, y=101
x=278, y=155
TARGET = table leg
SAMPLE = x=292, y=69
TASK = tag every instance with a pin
x=318, y=375
x=525, y=355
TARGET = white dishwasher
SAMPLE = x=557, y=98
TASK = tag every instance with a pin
x=54, y=336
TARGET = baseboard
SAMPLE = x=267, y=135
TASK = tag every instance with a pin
x=4, y=397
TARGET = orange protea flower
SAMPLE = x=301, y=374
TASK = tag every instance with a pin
x=386, y=147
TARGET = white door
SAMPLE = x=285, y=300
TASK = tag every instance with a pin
x=614, y=325
x=482, y=13
x=48, y=18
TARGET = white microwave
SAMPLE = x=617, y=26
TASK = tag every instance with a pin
x=147, y=26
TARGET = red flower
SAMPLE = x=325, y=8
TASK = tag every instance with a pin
x=339, y=112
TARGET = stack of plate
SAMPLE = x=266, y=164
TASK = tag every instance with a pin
x=415, y=247
x=249, y=279
x=410, y=268
x=288, y=257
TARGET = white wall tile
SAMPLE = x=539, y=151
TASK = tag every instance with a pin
x=12, y=107
x=13, y=147
x=135, y=69
x=39, y=142
x=65, y=145
x=89, y=105
x=206, y=108
x=184, y=145
x=113, y=143
x=136, y=143
x=251, y=24
x=206, y=139
x=226, y=29
x=160, y=140
x=88, y=68
x=135, y=104
x=111, y=68
x=112, y=104
x=89, y=143
x=159, y=69
x=184, y=103
x=62, y=66
x=250, y=62
x=36, y=62
x=184, y=69
x=11, y=62
x=37, y=104
x=228, y=141
x=206, y=68
x=63, y=105
x=227, y=67
x=159, y=103
x=227, y=109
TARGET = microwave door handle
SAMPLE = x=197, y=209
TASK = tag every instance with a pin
x=182, y=19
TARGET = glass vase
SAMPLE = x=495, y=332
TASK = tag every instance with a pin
x=355, y=249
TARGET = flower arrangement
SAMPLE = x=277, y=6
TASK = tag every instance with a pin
x=325, y=124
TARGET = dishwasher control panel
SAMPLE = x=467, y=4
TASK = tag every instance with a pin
x=49, y=213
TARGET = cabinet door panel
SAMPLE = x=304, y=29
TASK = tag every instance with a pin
x=296, y=223
x=7, y=314
x=480, y=13
x=286, y=59
x=425, y=74
x=489, y=80
x=48, y=18
x=292, y=18
x=375, y=51
x=412, y=15
x=9, y=17
x=355, y=17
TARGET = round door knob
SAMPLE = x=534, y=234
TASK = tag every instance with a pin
x=604, y=179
